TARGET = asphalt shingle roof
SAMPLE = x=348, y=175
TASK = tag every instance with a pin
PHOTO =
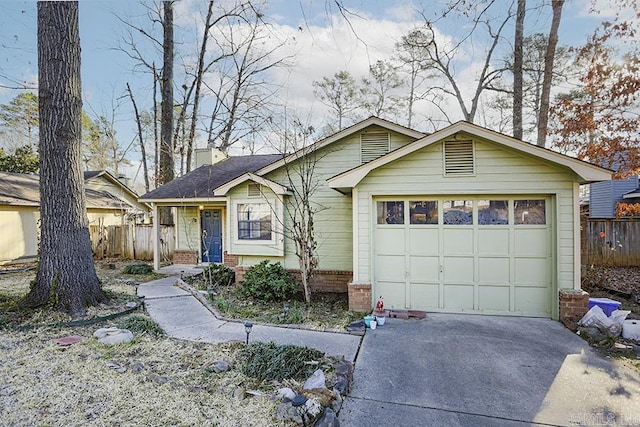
x=20, y=189
x=202, y=181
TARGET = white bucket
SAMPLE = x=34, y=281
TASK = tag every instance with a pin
x=631, y=329
x=374, y=324
x=380, y=320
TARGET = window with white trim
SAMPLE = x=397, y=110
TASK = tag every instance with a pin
x=254, y=221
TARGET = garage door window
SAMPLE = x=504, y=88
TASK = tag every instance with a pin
x=493, y=212
x=530, y=212
x=390, y=212
x=458, y=212
x=423, y=212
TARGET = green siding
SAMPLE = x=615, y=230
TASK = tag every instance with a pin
x=188, y=228
x=498, y=171
x=333, y=223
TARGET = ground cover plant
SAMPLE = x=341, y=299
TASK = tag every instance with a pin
x=253, y=300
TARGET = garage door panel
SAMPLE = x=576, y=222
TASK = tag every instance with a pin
x=532, y=271
x=425, y=296
x=424, y=241
x=503, y=268
x=493, y=270
x=494, y=298
x=493, y=241
x=390, y=267
x=458, y=270
x=424, y=269
x=458, y=297
x=458, y=241
x=531, y=242
x=532, y=301
x=390, y=241
x=393, y=292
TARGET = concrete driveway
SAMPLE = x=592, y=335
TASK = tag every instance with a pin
x=469, y=370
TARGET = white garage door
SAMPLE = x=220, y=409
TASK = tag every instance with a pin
x=465, y=254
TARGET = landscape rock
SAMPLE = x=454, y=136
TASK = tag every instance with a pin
x=328, y=419
x=220, y=366
x=131, y=304
x=316, y=380
x=120, y=337
x=286, y=393
x=286, y=412
x=138, y=367
x=159, y=379
x=336, y=405
x=238, y=393
x=116, y=367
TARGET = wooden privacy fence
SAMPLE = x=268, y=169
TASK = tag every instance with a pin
x=610, y=242
x=130, y=241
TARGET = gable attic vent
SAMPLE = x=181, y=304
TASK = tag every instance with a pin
x=458, y=158
x=253, y=190
x=373, y=145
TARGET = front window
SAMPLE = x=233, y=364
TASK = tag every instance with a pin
x=254, y=221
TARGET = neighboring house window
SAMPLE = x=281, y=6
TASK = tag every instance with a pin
x=373, y=145
x=458, y=158
x=254, y=221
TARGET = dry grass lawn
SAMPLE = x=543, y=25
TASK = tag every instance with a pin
x=165, y=381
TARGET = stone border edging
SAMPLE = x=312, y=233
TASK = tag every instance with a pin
x=204, y=301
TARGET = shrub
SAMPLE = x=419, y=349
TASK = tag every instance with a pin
x=217, y=275
x=267, y=282
x=140, y=268
x=141, y=325
x=273, y=362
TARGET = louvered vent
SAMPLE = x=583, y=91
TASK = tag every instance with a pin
x=373, y=145
x=253, y=190
x=458, y=158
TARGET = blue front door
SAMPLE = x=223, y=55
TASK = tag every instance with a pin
x=211, y=236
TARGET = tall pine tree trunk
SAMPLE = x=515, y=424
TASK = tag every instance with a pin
x=166, y=172
x=66, y=272
x=543, y=115
x=517, y=70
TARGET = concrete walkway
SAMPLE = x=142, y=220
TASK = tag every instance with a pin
x=182, y=316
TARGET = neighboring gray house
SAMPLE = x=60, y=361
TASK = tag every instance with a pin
x=604, y=195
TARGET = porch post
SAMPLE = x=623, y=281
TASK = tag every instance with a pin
x=156, y=237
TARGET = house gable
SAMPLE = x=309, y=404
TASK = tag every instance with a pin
x=584, y=172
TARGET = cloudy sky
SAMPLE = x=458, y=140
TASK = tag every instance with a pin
x=321, y=39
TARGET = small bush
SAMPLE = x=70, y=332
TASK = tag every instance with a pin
x=273, y=362
x=140, y=268
x=141, y=325
x=268, y=282
x=216, y=275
